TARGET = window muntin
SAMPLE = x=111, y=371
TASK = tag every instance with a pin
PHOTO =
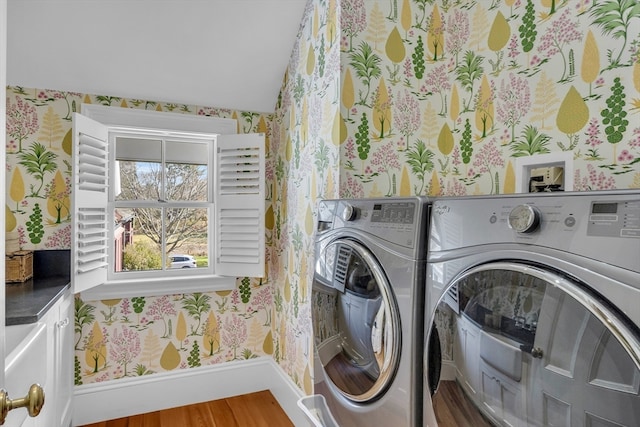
x=164, y=185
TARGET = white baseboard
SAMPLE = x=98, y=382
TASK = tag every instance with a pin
x=130, y=396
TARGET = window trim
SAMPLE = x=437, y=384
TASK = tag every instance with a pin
x=116, y=117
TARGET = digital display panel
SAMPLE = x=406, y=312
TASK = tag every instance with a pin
x=604, y=208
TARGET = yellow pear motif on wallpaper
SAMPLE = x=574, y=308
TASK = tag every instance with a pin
x=328, y=189
x=308, y=221
x=10, y=222
x=287, y=148
x=405, y=16
x=306, y=381
x=303, y=276
x=313, y=194
x=382, y=111
x=509, y=180
x=573, y=113
x=348, y=92
x=435, y=35
x=499, y=33
x=124, y=104
x=223, y=293
x=304, y=123
x=454, y=106
x=269, y=220
x=86, y=99
x=95, y=349
x=286, y=291
x=405, y=183
x=181, y=328
x=58, y=202
x=314, y=30
x=311, y=60
x=484, y=107
x=394, y=48
x=67, y=142
x=170, y=358
x=590, y=68
x=267, y=344
x=434, y=188
x=211, y=335
x=331, y=21
x=445, y=140
x=16, y=191
x=262, y=128
x=339, y=130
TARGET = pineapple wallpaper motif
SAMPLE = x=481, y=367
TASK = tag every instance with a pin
x=380, y=98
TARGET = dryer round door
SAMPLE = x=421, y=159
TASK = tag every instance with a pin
x=356, y=321
x=532, y=347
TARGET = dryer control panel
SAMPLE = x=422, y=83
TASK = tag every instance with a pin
x=614, y=219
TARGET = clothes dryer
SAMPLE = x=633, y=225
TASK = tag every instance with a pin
x=368, y=310
x=533, y=310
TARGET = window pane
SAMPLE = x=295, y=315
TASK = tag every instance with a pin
x=136, y=239
x=138, y=180
x=186, y=182
x=187, y=232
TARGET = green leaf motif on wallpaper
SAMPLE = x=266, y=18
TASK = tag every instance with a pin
x=367, y=67
x=245, y=290
x=83, y=315
x=417, y=58
x=34, y=225
x=615, y=17
x=362, y=138
x=466, y=143
x=420, y=159
x=614, y=117
x=38, y=161
x=196, y=305
x=530, y=142
x=528, y=30
x=467, y=73
x=194, y=356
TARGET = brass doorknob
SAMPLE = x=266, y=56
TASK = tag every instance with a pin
x=33, y=401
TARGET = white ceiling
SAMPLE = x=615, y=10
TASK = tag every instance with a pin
x=218, y=53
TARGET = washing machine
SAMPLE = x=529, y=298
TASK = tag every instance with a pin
x=533, y=310
x=368, y=310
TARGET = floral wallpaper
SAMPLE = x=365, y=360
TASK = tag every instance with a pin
x=380, y=98
x=130, y=336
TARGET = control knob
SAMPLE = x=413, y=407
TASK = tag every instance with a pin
x=524, y=218
x=349, y=212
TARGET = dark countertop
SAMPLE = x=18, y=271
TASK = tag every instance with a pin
x=29, y=301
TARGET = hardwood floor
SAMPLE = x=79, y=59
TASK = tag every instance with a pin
x=453, y=409
x=258, y=409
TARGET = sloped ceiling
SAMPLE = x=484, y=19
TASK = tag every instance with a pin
x=220, y=53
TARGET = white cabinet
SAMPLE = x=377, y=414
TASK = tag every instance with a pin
x=466, y=353
x=58, y=387
x=503, y=399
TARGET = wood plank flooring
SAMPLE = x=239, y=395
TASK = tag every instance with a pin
x=453, y=408
x=258, y=409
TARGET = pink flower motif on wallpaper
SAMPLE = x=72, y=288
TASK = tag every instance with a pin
x=351, y=188
x=407, y=115
x=593, y=181
x=385, y=160
x=489, y=156
x=514, y=101
x=557, y=35
x=22, y=121
x=159, y=309
x=457, y=32
x=124, y=347
x=234, y=333
x=263, y=300
x=60, y=239
x=437, y=81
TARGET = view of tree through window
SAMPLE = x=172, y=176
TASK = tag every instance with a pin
x=162, y=204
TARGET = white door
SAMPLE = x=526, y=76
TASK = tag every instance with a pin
x=583, y=376
x=3, y=117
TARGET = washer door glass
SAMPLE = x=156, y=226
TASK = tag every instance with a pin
x=356, y=321
x=531, y=347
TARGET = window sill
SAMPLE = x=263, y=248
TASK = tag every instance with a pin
x=159, y=286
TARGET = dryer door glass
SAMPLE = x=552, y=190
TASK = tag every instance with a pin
x=356, y=322
x=531, y=347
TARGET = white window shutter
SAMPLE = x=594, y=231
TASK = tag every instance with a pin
x=239, y=204
x=89, y=222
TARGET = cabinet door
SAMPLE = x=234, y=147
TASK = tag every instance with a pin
x=502, y=398
x=466, y=354
x=64, y=361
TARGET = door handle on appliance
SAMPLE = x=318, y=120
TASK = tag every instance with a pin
x=33, y=401
x=537, y=352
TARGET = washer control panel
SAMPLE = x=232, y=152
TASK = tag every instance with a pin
x=614, y=219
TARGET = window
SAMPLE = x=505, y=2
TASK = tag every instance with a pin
x=164, y=202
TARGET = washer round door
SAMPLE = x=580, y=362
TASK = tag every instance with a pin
x=533, y=347
x=355, y=320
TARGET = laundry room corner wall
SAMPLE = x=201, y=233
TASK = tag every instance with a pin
x=124, y=337
x=412, y=98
